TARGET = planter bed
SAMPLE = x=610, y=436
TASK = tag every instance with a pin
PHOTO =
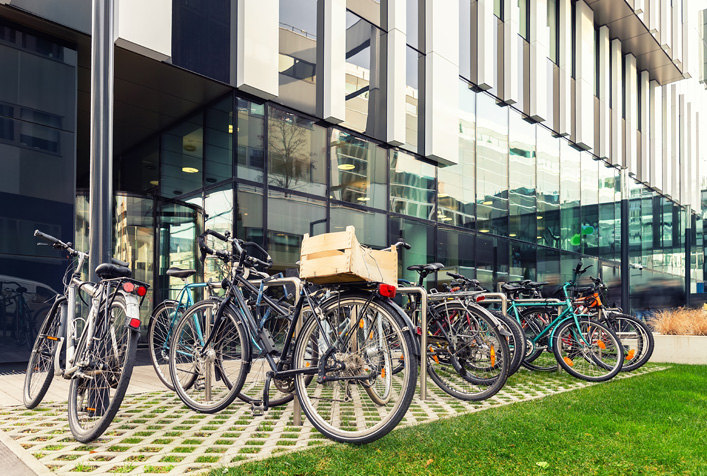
x=684, y=349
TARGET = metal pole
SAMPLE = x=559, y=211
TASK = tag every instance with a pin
x=625, y=269
x=423, y=338
x=101, y=171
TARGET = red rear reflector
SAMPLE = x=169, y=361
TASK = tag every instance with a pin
x=141, y=291
x=480, y=298
x=134, y=323
x=387, y=290
x=128, y=287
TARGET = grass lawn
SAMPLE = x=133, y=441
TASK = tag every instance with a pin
x=650, y=424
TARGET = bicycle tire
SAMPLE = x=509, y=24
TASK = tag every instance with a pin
x=40, y=368
x=590, y=352
x=516, y=341
x=538, y=356
x=200, y=386
x=162, y=321
x=98, y=387
x=468, y=357
x=636, y=337
x=349, y=410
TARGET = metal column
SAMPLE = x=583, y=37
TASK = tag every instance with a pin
x=101, y=172
x=625, y=269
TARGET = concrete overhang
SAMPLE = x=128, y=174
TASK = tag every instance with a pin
x=636, y=39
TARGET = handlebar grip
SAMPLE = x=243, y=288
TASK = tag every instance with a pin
x=119, y=262
x=215, y=234
x=402, y=243
x=49, y=238
x=268, y=260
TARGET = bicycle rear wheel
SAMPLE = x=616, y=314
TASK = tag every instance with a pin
x=538, y=355
x=516, y=341
x=207, y=380
x=590, y=351
x=105, y=367
x=40, y=368
x=355, y=344
x=467, y=356
x=162, y=324
x=637, y=339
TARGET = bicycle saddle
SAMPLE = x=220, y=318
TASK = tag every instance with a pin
x=510, y=287
x=534, y=284
x=429, y=268
x=180, y=273
x=109, y=271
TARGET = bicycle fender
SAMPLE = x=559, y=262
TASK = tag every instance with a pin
x=133, y=307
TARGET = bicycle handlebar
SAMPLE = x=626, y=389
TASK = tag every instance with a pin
x=237, y=246
x=401, y=243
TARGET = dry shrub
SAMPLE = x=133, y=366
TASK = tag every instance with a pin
x=680, y=321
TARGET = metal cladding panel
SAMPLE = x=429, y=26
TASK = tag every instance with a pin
x=441, y=110
x=484, y=55
x=656, y=136
x=539, y=52
x=677, y=31
x=697, y=171
x=643, y=171
x=397, y=16
x=511, y=92
x=687, y=178
x=631, y=158
x=565, y=68
x=654, y=17
x=584, y=76
x=258, y=47
x=665, y=24
x=395, y=80
x=617, y=145
x=334, y=67
x=603, y=149
x=442, y=29
x=145, y=27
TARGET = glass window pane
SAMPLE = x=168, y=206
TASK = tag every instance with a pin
x=289, y=218
x=218, y=212
x=296, y=153
x=412, y=11
x=370, y=227
x=218, y=141
x=548, y=199
x=607, y=211
x=249, y=213
x=358, y=170
x=421, y=237
x=250, y=130
x=182, y=151
x=412, y=98
x=412, y=184
x=570, y=194
x=455, y=249
x=456, y=182
x=552, y=16
x=491, y=261
x=522, y=201
x=298, y=54
x=590, y=209
x=465, y=39
x=548, y=269
x=523, y=29
x=491, y=166
x=522, y=261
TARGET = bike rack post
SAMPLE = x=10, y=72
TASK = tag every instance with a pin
x=423, y=339
x=497, y=297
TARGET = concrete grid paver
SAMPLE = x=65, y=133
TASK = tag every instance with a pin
x=155, y=433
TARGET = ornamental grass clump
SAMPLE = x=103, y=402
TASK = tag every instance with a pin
x=680, y=321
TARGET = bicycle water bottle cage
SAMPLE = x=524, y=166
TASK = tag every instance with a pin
x=110, y=271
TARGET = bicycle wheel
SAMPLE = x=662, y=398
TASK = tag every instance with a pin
x=590, y=351
x=637, y=339
x=467, y=356
x=281, y=391
x=516, y=341
x=538, y=355
x=105, y=367
x=40, y=368
x=207, y=380
x=356, y=398
x=159, y=330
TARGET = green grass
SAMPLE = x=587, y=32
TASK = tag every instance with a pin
x=648, y=424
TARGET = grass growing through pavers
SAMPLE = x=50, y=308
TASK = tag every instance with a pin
x=652, y=424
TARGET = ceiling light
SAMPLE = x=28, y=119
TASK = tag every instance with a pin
x=230, y=128
x=347, y=166
x=540, y=217
x=154, y=182
x=484, y=231
x=487, y=202
x=189, y=147
x=512, y=235
x=363, y=199
x=189, y=170
x=280, y=234
x=442, y=195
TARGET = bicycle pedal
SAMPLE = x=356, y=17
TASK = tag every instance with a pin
x=257, y=408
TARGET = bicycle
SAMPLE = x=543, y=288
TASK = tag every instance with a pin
x=340, y=364
x=23, y=327
x=100, y=348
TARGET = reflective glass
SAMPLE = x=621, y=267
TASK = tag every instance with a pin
x=358, y=170
x=298, y=54
x=491, y=166
x=412, y=23
x=422, y=239
x=249, y=213
x=455, y=249
x=548, y=269
x=570, y=194
x=590, y=199
x=370, y=227
x=634, y=221
x=552, y=16
x=647, y=223
x=491, y=261
x=521, y=177
x=251, y=130
x=412, y=186
x=289, y=218
x=456, y=182
x=523, y=27
x=296, y=153
x=465, y=39
x=548, y=198
x=370, y=10
x=218, y=141
x=182, y=151
x=138, y=169
x=414, y=67
x=608, y=185
x=364, y=96
x=218, y=213
x=523, y=261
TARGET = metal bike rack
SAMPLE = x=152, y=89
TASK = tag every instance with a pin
x=496, y=297
x=423, y=340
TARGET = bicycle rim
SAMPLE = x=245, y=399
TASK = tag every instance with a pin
x=162, y=323
x=208, y=380
x=368, y=340
x=636, y=338
x=40, y=368
x=98, y=387
x=538, y=355
x=590, y=351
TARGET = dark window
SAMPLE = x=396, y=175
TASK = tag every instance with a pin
x=7, y=129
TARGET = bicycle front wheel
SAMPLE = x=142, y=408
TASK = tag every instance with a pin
x=207, y=379
x=538, y=354
x=40, y=368
x=637, y=339
x=589, y=351
x=105, y=366
x=162, y=323
x=355, y=398
x=516, y=341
